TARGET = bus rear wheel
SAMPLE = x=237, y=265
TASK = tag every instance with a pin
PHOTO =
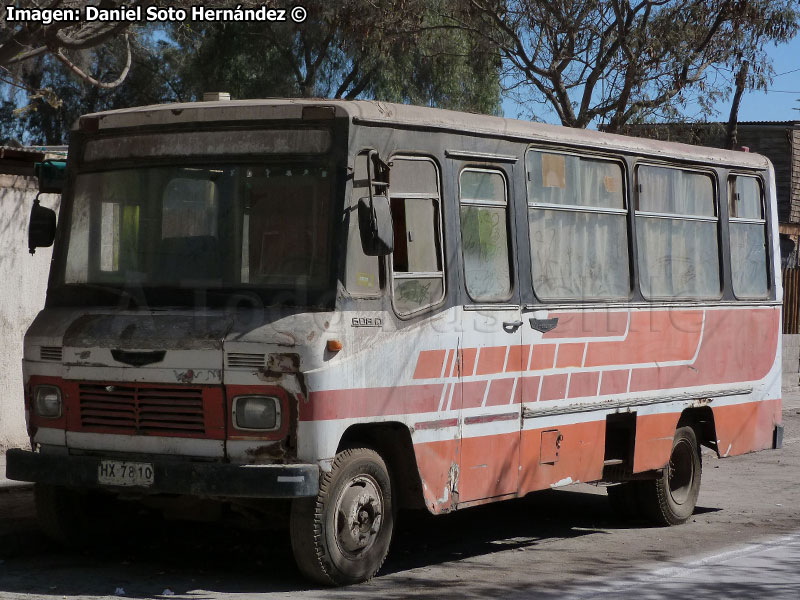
x=671, y=499
x=342, y=536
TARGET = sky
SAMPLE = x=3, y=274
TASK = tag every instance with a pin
x=777, y=104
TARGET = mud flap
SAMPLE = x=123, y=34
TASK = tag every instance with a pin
x=777, y=437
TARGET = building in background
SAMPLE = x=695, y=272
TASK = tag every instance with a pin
x=23, y=277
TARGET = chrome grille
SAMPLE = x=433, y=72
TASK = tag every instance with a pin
x=137, y=409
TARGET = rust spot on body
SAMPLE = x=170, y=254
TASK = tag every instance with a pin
x=274, y=451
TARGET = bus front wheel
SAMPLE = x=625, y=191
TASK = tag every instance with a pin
x=342, y=536
x=671, y=498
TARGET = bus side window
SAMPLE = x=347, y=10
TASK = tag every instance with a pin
x=578, y=227
x=362, y=277
x=484, y=234
x=676, y=229
x=417, y=272
x=748, y=230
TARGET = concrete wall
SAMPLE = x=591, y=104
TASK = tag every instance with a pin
x=791, y=364
x=23, y=282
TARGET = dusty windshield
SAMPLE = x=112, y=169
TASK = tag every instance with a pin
x=231, y=226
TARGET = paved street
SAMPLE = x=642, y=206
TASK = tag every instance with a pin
x=743, y=542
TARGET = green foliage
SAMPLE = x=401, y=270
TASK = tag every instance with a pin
x=393, y=50
x=624, y=61
x=30, y=119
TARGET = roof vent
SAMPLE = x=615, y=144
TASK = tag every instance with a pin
x=216, y=96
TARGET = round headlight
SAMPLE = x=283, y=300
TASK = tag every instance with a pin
x=47, y=401
x=257, y=413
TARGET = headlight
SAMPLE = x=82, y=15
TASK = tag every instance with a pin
x=257, y=413
x=47, y=401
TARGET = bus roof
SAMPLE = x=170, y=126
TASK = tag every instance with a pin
x=402, y=115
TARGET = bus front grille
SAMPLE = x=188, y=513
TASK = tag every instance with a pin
x=142, y=410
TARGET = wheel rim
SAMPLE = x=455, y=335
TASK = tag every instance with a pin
x=359, y=515
x=681, y=472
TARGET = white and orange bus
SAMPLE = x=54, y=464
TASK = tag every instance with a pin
x=355, y=307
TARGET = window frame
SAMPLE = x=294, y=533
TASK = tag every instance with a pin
x=572, y=208
x=763, y=222
x=484, y=203
x=715, y=198
x=439, y=223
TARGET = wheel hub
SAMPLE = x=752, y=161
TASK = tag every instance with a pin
x=681, y=472
x=359, y=515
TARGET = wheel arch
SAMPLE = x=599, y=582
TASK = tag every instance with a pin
x=701, y=419
x=392, y=440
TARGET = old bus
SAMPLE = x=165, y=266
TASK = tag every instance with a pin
x=355, y=307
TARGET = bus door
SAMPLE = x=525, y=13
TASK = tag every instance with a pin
x=491, y=356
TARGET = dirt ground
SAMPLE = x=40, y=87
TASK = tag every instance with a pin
x=540, y=546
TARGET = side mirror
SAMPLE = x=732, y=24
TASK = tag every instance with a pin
x=52, y=175
x=375, y=225
x=42, y=227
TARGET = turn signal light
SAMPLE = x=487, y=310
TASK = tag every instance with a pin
x=334, y=345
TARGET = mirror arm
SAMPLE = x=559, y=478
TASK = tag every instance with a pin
x=31, y=247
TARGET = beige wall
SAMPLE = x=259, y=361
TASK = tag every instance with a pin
x=23, y=281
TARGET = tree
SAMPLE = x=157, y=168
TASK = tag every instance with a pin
x=350, y=49
x=24, y=41
x=41, y=121
x=766, y=20
x=393, y=50
x=619, y=61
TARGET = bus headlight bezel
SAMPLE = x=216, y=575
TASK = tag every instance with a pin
x=47, y=401
x=245, y=413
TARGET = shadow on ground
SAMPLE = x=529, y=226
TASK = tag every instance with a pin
x=210, y=559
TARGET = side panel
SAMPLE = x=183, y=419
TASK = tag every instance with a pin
x=654, y=435
x=747, y=427
x=560, y=454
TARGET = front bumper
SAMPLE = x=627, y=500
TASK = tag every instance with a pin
x=171, y=477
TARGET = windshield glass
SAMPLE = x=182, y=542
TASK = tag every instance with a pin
x=242, y=226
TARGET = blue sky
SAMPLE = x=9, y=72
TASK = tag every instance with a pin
x=777, y=104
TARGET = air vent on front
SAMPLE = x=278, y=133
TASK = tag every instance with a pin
x=244, y=360
x=50, y=353
x=141, y=409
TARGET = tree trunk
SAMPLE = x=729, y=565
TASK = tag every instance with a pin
x=732, y=139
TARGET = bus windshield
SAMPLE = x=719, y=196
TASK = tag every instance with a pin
x=231, y=226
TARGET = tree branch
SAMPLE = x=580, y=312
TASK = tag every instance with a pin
x=89, y=79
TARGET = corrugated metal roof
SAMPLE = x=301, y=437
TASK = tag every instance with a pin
x=20, y=153
x=786, y=123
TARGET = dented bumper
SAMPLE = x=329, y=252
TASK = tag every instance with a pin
x=170, y=477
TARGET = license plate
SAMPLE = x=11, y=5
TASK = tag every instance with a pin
x=117, y=472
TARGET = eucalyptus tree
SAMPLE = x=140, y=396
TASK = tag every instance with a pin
x=619, y=61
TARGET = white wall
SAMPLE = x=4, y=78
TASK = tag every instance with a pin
x=23, y=281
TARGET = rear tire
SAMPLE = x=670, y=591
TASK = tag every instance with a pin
x=342, y=536
x=671, y=499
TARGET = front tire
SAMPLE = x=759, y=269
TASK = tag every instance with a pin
x=74, y=519
x=671, y=499
x=342, y=536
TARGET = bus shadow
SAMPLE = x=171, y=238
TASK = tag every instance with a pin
x=203, y=560
x=425, y=540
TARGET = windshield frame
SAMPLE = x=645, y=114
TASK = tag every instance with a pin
x=61, y=294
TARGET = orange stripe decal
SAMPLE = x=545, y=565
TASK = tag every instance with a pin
x=570, y=355
x=491, y=360
x=429, y=364
x=554, y=387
